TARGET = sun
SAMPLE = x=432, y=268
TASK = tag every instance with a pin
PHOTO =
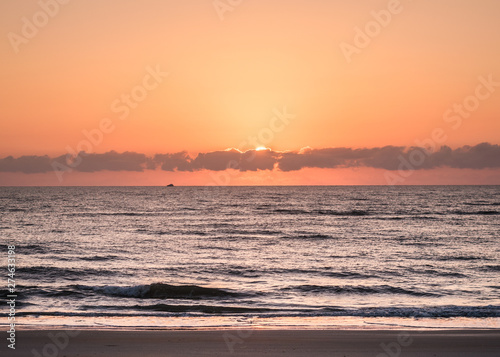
x=261, y=148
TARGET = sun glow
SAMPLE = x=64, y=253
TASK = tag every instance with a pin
x=261, y=148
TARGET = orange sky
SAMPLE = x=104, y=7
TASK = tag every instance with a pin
x=226, y=79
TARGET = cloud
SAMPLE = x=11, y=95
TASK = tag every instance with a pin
x=322, y=158
x=251, y=160
x=480, y=156
x=111, y=161
x=26, y=164
x=476, y=157
x=170, y=162
x=217, y=160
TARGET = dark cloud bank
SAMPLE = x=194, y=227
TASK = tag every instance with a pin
x=481, y=156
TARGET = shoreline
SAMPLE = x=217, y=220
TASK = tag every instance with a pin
x=41, y=328
x=354, y=323
x=256, y=342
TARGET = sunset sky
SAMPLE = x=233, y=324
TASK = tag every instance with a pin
x=161, y=91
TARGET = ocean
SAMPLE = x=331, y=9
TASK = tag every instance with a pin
x=208, y=257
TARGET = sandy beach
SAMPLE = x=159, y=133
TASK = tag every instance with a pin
x=256, y=343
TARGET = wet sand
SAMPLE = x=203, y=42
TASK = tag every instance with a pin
x=390, y=343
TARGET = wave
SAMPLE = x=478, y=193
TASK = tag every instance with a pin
x=165, y=291
x=364, y=290
x=4, y=209
x=353, y=212
x=27, y=292
x=448, y=311
x=434, y=272
x=309, y=236
x=247, y=273
x=415, y=216
x=460, y=257
x=213, y=247
x=57, y=293
x=482, y=203
x=207, y=309
x=424, y=217
x=98, y=214
x=187, y=232
x=348, y=275
x=41, y=271
x=406, y=215
x=99, y=258
x=419, y=312
x=488, y=212
x=151, y=291
x=246, y=232
x=33, y=248
x=490, y=268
